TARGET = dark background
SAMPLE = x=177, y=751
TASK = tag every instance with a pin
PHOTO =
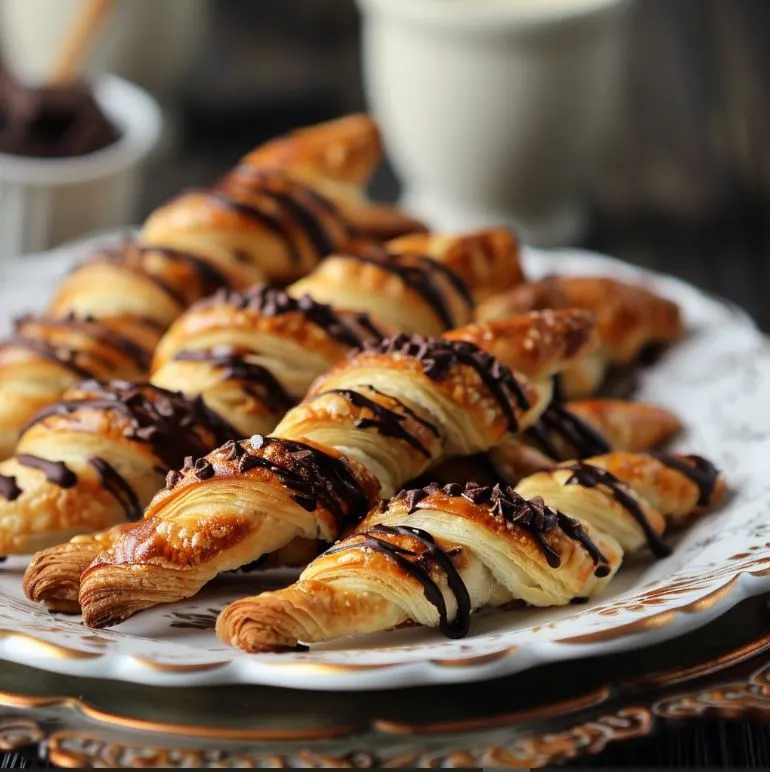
x=685, y=184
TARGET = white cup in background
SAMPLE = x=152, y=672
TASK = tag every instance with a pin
x=47, y=201
x=495, y=111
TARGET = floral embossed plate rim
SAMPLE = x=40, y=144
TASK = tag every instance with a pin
x=715, y=378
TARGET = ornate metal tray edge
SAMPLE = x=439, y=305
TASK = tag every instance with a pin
x=72, y=732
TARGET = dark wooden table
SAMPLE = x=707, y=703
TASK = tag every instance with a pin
x=685, y=187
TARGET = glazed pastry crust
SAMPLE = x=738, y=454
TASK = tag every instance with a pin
x=358, y=588
x=347, y=150
x=78, y=437
x=251, y=355
x=217, y=515
x=402, y=290
x=537, y=344
x=279, y=224
x=488, y=261
x=46, y=356
x=147, y=282
x=500, y=546
x=628, y=316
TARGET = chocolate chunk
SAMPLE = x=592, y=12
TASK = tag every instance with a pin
x=203, y=469
x=9, y=489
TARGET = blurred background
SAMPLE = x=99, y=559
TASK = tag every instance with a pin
x=682, y=182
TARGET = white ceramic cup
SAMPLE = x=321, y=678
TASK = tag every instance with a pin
x=495, y=111
x=47, y=201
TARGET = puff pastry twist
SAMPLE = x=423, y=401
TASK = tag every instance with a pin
x=46, y=356
x=94, y=460
x=369, y=425
x=571, y=430
x=629, y=317
x=433, y=555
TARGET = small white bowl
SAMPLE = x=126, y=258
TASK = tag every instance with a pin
x=494, y=111
x=47, y=201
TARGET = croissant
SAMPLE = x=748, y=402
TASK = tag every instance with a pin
x=630, y=495
x=46, y=356
x=424, y=283
x=434, y=555
x=286, y=205
x=337, y=158
x=365, y=428
x=155, y=283
x=629, y=319
x=93, y=460
x=574, y=430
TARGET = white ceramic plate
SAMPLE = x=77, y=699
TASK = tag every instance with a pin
x=717, y=380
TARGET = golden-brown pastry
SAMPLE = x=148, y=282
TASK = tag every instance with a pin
x=278, y=223
x=630, y=495
x=629, y=318
x=336, y=158
x=574, y=430
x=433, y=555
x=251, y=355
x=405, y=291
x=46, y=356
x=94, y=460
x=53, y=576
x=346, y=150
x=488, y=260
x=286, y=205
x=386, y=414
x=154, y=283
x=424, y=283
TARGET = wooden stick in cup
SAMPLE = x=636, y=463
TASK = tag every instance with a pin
x=79, y=40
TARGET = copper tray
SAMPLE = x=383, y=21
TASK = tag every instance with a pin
x=540, y=717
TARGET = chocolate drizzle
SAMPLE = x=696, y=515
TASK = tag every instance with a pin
x=167, y=421
x=271, y=301
x=9, y=488
x=56, y=472
x=283, y=211
x=256, y=380
x=210, y=278
x=298, y=201
x=117, y=485
x=700, y=472
x=130, y=258
x=312, y=476
x=505, y=504
x=437, y=356
x=418, y=276
x=385, y=421
x=558, y=421
x=93, y=329
x=589, y=476
x=61, y=355
x=418, y=565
